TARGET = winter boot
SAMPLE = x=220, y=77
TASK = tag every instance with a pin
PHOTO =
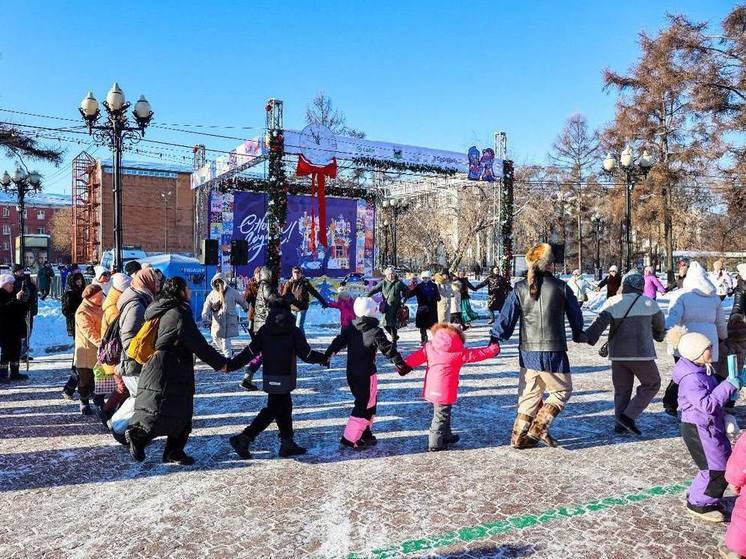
x=346, y=443
x=104, y=417
x=68, y=391
x=709, y=514
x=174, y=451
x=15, y=373
x=726, y=553
x=289, y=448
x=137, y=440
x=4, y=378
x=240, y=444
x=628, y=423
x=539, y=431
x=368, y=438
x=452, y=439
x=121, y=438
x=521, y=426
x=247, y=382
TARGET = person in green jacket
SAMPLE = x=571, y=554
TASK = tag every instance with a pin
x=394, y=293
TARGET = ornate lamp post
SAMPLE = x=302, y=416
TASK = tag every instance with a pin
x=632, y=171
x=598, y=225
x=116, y=133
x=397, y=205
x=22, y=184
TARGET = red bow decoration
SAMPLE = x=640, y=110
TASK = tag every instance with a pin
x=318, y=174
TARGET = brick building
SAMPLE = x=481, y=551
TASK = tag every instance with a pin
x=39, y=211
x=157, y=211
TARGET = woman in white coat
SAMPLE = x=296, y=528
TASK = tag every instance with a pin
x=219, y=311
x=698, y=309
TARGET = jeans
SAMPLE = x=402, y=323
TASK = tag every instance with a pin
x=300, y=319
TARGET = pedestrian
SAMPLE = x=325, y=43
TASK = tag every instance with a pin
x=443, y=281
x=443, y=356
x=266, y=294
x=611, y=282
x=428, y=295
x=300, y=288
x=44, y=278
x=540, y=303
x=682, y=268
x=12, y=329
x=119, y=284
x=467, y=313
x=249, y=295
x=720, y=277
x=363, y=339
x=71, y=299
x=165, y=394
x=219, y=313
x=635, y=322
x=394, y=292
x=653, y=285
x=32, y=309
x=698, y=309
x=735, y=475
x=281, y=343
x=579, y=287
x=345, y=304
x=702, y=397
x=132, y=304
x=87, y=341
x=132, y=267
x=102, y=277
x=456, y=316
x=497, y=291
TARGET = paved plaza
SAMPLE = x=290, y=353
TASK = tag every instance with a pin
x=67, y=489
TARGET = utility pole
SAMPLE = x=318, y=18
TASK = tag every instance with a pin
x=498, y=196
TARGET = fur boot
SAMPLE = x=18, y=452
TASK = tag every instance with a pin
x=521, y=426
x=539, y=431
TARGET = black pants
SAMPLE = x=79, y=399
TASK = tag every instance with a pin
x=279, y=409
x=360, y=387
x=10, y=350
x=175, y=443
x=423, y=335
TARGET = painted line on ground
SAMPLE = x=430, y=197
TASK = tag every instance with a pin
x=516, y=523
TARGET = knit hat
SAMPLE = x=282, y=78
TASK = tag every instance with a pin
x=690, y=345
x=365, y=307
x=634, y=281
x=426, y=274
x=5, y=279
x=120, y=281
x=540, y=256
x=132, y=267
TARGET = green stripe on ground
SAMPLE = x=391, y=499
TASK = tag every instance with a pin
x=516, y=523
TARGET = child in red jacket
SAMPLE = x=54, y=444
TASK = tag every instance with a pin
x=445, y=354
x=345, y=304
x=735, y=475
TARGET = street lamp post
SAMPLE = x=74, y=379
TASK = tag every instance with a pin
x=23, y=184
x=397, y=205
x=116, y=133
x=166, y=196
x=632, y=171
x=598, y=224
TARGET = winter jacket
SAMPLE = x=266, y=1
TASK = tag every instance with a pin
x=428, y=295
x=699, y=309
x=653, y=286
x=445, y=354
x=739, y=298
x=346, y=307
x=701, y=395
x=280, y=342
x=110, y=314
x=631, y=337
x=71, y=299
x=301, y=290
x=12, y=317
x=497, y=291
x=362, y=339
x=87, y=334
x=456, y=298
x=579, y=288
x=44, y=277
x=165, y=389
x=131, y=304
x=394, y=292
x=612, y=284
x=446, y=294
x=220, y=310
x=32, y=294
x=735, y=474
x=723, y=283
x=266, y=294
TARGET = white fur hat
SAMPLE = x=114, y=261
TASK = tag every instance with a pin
x=365, y=306
x=690, y=345
x=5, y=279
x=613, y=269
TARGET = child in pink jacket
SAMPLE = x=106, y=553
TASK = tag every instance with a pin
x=444, y=354
x=345, y=303
x=735, y=474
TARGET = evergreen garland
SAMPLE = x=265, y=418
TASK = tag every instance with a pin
x=390, y=165
x=277, y=203
x=506, y=227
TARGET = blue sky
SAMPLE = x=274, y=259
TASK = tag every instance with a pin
x=438, y=74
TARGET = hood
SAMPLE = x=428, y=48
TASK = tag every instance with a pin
x=365, y=323
x=696, y=280
x=130, y=294
x=685, y=368
x=216, y=277
x=98, y=270
x=71, y=278
x=280, y=320
x=112, y=298
x=161, y=306
x=5, y=279
x=447, y=340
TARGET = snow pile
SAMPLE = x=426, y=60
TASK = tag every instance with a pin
x=50, y=329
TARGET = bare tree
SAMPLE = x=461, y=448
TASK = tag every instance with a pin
x=17, y=143
x=322, y=111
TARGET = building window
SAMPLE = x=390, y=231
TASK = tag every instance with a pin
x=40, y=214
x=6, y=229
x=6, y=211
x=40, y=231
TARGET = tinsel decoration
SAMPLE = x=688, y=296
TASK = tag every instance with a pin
x=248, y=184
x=506, y=229
x=390, y=165
x=277, y=204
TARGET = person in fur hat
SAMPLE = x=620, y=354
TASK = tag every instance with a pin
x=363, y=339
x=444, y=355
x=702, y=398
x=540, y=303
x=12, y=329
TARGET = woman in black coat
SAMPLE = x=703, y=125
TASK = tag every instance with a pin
x=165, y=393
x=13, y=308
x=428, y=296
x=71, y=299
x=497, y=291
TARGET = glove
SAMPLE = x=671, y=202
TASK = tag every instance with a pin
x=404, y=369
x=325, y=305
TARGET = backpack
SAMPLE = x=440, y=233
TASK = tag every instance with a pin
x=142, y=346
x=110, y=350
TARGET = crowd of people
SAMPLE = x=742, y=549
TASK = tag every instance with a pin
x=135, y=339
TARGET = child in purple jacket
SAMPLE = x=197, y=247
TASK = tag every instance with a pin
x=702, y=398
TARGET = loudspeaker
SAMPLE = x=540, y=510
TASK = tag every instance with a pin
x=209, y=253
x=558, y=253
x=239, y=252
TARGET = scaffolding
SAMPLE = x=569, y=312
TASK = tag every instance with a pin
x=85, y=221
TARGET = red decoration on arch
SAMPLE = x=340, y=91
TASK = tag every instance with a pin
x=318, y=175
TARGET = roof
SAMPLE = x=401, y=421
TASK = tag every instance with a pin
x=149, y=166
x=42, y=199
